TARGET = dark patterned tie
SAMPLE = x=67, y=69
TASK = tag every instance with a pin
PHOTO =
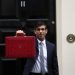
x=42, y=59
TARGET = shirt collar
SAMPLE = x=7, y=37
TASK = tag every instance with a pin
x=44, y=42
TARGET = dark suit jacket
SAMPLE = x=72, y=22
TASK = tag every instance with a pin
x=51, y=61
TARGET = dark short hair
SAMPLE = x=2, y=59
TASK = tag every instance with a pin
x=40, y=23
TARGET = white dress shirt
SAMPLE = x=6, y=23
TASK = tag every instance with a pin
x=37, y=68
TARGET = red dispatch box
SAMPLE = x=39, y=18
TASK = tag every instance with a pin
x=20, y=47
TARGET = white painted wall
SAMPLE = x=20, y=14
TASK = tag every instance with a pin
x=65, y=22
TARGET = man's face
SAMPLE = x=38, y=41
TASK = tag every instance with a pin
x=40, y=32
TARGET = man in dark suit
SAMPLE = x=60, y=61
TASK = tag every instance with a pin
x=45, y=52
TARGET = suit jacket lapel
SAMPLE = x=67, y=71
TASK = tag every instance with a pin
x=47, y=50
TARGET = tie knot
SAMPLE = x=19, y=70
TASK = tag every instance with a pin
x=41, y=43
